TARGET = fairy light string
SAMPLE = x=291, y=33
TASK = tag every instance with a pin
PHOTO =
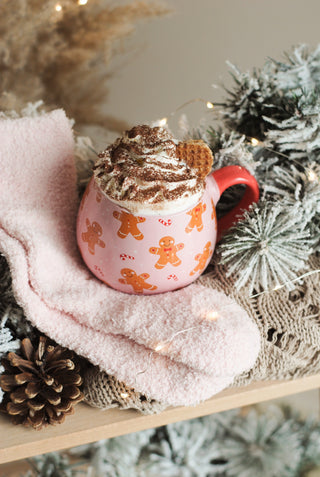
x=290, y=282
x=162, y=345
x=59, y=8
x=254, y=142
x=311, y=174
x=164, y=121
x=214, y=315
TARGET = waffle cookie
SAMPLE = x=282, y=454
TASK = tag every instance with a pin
x=196, y=154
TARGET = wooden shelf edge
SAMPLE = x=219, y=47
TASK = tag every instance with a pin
x=89, y=424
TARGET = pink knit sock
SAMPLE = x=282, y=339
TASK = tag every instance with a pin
x=162, y=345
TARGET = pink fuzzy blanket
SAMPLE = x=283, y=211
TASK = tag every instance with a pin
x=197, y=356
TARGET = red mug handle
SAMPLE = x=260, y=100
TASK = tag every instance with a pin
x=227, y=177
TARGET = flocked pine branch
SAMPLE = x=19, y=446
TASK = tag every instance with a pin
x=301, y=69
x=186, y=449
x=268, y=247
x=254, y=97
x=276, y=443
x=293, y=185
x=7, y=344
x=261, y=446
x=233, y=150
x=279, y=105
x=299, y=135
x=302, y=186
x=116, y=457
x=310, y=443
x=53, y=464
x=279, y=91
x=227, y=147
x=9, y=308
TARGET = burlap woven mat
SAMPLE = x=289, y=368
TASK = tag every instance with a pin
x=289, y=324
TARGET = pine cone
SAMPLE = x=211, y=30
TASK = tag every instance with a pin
x=41, y=385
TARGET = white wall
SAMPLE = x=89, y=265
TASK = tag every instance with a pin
x=176, y=58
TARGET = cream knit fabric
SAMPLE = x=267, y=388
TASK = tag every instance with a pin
x=289, y=324
x=105, y=392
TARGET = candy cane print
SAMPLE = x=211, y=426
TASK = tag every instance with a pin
x=172, y=276
x=165, y=222
x=123, y=256
x=98, y=269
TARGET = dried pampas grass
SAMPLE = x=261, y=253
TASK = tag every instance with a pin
x=62, y=56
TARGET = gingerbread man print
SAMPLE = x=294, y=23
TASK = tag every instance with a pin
x=167, y=252
x=137, y=282
x=202, y=259
x=92, y=236
x=196, y=218
x=129, y=224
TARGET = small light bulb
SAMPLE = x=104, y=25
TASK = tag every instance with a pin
x=82, y=2
x=124, y=395
x=159, y=347
x=58, y=7
x=277, y=287
x=212, y=316
x=210, y=105
x=254, y=141
x=163, y=122
x=312, y=176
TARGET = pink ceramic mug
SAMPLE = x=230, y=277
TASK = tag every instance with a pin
x=156, y=253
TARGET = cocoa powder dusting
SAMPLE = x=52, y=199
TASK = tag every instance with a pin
x=143, y=167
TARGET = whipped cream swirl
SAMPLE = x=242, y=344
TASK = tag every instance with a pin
x=142, y=173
